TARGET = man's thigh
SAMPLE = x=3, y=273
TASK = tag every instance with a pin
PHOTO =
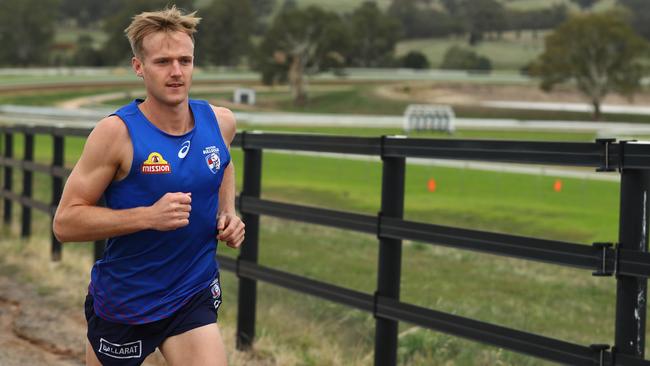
x=202, y=346
x=91, y=357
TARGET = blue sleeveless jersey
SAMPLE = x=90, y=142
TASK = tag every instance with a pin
x=148, y=275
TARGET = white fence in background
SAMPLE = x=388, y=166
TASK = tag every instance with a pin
x=429, y=117
x=77, y=117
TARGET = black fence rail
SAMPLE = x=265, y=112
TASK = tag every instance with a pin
x=627, y=262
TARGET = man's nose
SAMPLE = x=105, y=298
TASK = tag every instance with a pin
x=176, y=68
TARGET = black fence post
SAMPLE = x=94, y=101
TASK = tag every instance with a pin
x=390, y=257
x=9, y=175
x=28, y=183
x=631, y=294
x=249, y=251
x=57, y=188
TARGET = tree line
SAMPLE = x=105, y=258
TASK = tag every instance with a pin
x=601, y=53
x=226, y=35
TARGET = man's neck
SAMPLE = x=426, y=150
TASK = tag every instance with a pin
x=172, y=119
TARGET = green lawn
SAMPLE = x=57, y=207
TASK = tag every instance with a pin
x=51, y=98
x=459, y=134
x=509, y=53
x=351, y=99
x=344, y=99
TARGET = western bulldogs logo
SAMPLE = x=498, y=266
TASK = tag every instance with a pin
x=212, y=158
x=215, y=289
x=213, y=161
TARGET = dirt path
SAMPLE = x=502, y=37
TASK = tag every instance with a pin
x=36, y=330
x=33, y=332
x=474, y=94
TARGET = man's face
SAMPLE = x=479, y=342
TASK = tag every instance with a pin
x=166, y=66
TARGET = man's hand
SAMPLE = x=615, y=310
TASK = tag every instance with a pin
x=171, y=211
x=231, y=230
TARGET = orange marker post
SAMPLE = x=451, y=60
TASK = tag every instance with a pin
x=557, y=186
x=431, y=185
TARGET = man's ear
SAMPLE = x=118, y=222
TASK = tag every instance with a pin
x=136, y=64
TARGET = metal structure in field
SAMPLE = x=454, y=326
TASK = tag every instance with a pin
x=626, y=262
x=429, y=117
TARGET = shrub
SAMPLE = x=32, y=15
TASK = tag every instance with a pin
x=458, y=58
x=415, y=60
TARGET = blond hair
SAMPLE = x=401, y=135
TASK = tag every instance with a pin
x=166, y=20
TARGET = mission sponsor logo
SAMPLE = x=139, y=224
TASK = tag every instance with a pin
x=126, y=350
x=155, y=164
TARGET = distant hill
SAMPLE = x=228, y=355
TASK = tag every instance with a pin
x=349, y=5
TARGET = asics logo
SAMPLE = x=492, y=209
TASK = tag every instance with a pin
x=182, y=153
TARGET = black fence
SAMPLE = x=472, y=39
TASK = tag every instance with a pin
x=627, y=262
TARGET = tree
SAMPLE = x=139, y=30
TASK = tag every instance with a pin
x=639, y=15
x=288, y=4
x=262, y=10
x=299, y=42
x=458, y=58
x=117, y=50
x=374, y=36
x=226, y=28
x=453, y=7
x=546, y=18
x=26, y=31
x=86, y=54
x=585, y=4
x=420, y=20
x=600, y=52
x=483, y=16
x=86, y=12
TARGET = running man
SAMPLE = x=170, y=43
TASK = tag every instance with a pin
x=163, y=166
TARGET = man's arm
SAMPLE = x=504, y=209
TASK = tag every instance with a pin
x=106, y=155
x=230, y=226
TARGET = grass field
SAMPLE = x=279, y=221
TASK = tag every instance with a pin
x=508, y=53
x=356, y=99
x=301, y=330
x=51, y=98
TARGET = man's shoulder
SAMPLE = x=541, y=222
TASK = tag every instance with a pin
x=220, y=112
x=227, y=122
x=111, y=122
x=223, y=112
x=110, y=127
